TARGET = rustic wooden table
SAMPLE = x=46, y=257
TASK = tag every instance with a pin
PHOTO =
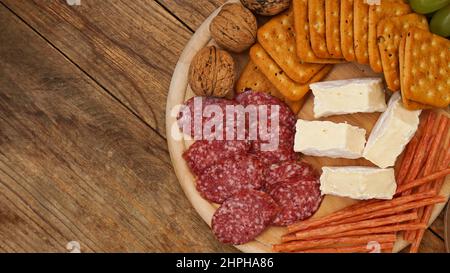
x=83, y=154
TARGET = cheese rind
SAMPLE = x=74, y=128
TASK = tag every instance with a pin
x=360, y=183
x=393, y=130
x=364, y=95
x=325, y=138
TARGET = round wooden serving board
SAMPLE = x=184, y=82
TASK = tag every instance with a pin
x=180, y=91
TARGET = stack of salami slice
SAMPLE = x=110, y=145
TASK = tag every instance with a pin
x=255, y=187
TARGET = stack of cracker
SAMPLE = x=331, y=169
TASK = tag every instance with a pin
x=424, y=69
x=274, y=66
x=296, y=48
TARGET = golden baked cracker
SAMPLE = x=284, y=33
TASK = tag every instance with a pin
x=252, y=78
x=347, y=34
x=291, y=90
x=360, y=29
x=387, y=9
x=332, y=29
x=301, y=26
x=322, y=74
x=316, y=15
x=278, y=39
x=426, y=68
x=411, y=105
x=389, y=34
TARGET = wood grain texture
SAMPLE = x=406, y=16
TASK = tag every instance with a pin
x=192, y=13
x=438, y=226
x=74, y=163
x=128, y=47
x=77, y=165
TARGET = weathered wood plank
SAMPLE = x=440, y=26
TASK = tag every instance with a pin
x=438, y=225
x=128, y=47
x=431, y=244
x=76, y=165
x=192, y=13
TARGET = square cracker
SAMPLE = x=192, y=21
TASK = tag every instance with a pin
x=347, y=34
x=278, y=39
x=290, y=89
x=411, y=105
x=301, y=23
x=332, y=29
x=426, y=68
x=316, y=15
x=360, y=29
x=387, y=9
x=252, y=78
x=389, y=34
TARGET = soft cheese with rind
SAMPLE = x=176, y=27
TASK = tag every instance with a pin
x=362, y=95
x=325, y=138
x=360, y=183
x=393, y=130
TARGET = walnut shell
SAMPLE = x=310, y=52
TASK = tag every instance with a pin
x=234, y=28
x=266, y=7
x=212, y=72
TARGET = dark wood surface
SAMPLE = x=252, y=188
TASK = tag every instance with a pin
x=83, y=154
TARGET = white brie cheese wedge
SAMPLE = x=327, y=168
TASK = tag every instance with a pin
x=325, y=138
x=393, y=130
x=358, y=182
x=365, y=95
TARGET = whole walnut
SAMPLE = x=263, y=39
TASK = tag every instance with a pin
x=266, y=7
x=234, y=28
x=212, y=72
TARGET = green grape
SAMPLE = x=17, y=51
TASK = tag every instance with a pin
x=440, y=23
x=428, y=6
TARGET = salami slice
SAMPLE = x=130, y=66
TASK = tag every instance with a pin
x=227, y=177
x=298, y=200
x=188, y=114
x=243, y=217
x=284, y=151
x=286, y=116
x=289, y=170
x=203, y=154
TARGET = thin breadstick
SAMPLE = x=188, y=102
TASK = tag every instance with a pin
x=434, y=150
x=421, y=152
x=425, y=218
x=349, y=249
x=345, y=213
x=426, y=215
x=431, y=165
x=424, y=180
x=382, y=229
x=325, y=231
x=302, y=245
x=366, y=231
x=441, y=181
x=393, y=210
x=407, y=159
